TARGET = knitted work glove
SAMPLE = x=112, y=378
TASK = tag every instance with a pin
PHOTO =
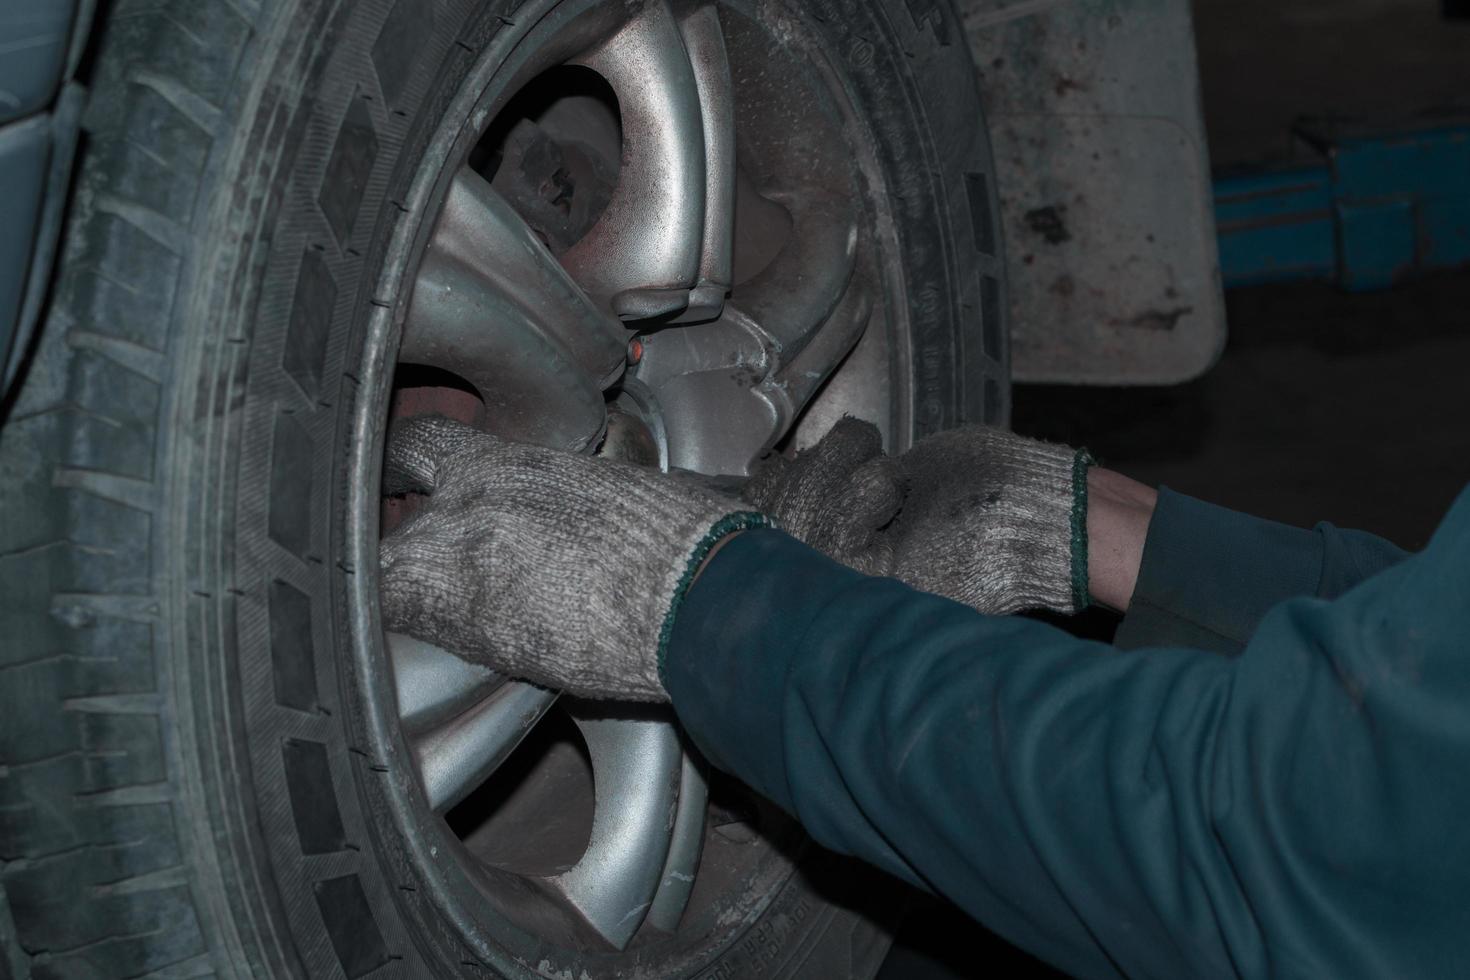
x=835, y=496
x=994, y=520
x=563, y=570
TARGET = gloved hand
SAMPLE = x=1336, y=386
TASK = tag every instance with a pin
x=836, y=496
x=559, y=569
x=994, y=520
x=978, y=515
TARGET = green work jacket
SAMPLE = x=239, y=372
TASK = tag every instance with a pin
x=1273, y=781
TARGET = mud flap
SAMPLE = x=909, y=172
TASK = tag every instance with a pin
x=1103, y=173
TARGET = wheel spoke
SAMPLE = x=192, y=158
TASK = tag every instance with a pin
x=801, y=376
x=433, y=684
x=635, y=765
x=714, y=371
x=705, y=41
x=724, y=372
x=758, y=365
x=492, y=305
x=460, y=754
x=677, y=881
x=662, y=246
x=795, y=296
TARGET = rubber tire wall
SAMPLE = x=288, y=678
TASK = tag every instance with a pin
x=180, y=791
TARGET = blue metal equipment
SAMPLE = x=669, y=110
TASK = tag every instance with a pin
x=1374, y=208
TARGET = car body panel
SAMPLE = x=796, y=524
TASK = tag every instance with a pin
x=25, y=151
x=39, y=116
x=36, y=41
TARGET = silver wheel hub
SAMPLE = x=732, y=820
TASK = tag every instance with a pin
x=670, y=271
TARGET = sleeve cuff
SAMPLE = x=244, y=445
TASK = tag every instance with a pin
x=719, y=531
x=1209, y=575
x=731, y=647
x=1082, y=461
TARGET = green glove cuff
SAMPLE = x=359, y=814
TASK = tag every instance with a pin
x=1081, y=593
x=722, y=529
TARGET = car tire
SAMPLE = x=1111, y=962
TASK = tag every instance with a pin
x=184, y=788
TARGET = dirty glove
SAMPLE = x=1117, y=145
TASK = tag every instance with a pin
x=978, y=515
x=560, y=569
x=994, y=520
x=836, y=496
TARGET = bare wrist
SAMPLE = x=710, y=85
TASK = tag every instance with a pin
x=1119, y=510
x=715, y=550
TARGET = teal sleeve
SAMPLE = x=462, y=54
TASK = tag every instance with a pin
x=1209, y=575
x=1298, y=810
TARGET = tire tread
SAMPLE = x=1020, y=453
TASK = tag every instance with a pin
x=93, y=880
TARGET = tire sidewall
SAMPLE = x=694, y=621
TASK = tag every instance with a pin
x=280, y=328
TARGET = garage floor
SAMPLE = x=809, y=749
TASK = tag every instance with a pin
x=1353, y=409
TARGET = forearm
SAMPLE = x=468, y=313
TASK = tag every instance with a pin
x=918, y=735
x=1208, y=575
x=1167, y=813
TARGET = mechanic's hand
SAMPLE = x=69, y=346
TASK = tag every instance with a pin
x=835, y=496
x=994, y=520
x=560, y=569
x=978, y=515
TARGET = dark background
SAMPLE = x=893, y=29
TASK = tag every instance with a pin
x=1353, y=409
x=1326, y=406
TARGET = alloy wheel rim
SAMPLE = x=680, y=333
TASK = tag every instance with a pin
x=732, y=340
